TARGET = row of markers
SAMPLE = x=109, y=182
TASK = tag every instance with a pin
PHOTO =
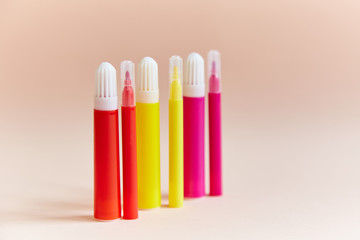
x=140, y=123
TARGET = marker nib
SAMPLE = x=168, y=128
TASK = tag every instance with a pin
x=127, y=78
x=213, y=67
x=176, y=73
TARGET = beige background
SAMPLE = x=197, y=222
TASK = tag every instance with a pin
x=291, y=118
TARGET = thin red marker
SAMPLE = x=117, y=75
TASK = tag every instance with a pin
x=128, y=123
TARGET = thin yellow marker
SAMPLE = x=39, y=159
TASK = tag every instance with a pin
x=176, y=145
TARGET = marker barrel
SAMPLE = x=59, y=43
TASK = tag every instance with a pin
x=194, y=147
x=148, y=154
x=176, y=154
x=107, y=205
x=215, y=144
x=130, y=188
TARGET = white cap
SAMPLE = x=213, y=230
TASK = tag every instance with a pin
x=147, y=86
x=106, y=89
x=194, y=80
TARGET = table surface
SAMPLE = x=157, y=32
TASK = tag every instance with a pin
x=278, y=184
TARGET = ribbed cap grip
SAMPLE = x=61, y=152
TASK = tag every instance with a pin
x=194, y=80
x=147, y=87
x=106, y=87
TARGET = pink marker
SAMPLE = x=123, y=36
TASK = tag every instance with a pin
x=214, y=122
x=194, y=130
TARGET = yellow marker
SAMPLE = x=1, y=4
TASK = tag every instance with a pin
x=148, y=135
x=176, y=152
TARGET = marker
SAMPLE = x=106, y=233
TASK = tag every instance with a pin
x=128, y=123
x=176, y=140
x=107, y=204
x=215, y=122
x=148, y=134
x=194, y=119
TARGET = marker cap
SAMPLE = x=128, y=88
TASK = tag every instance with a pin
x=175, y=77
x=194, y=81
x=106, y=88
x=147, y=87
x=127, y=83
x=214, y=71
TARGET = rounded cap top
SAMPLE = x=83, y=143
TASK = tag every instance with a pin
x=194, y=80
x=147, y=87
x=106, y=87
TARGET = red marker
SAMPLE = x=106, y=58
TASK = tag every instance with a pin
x=128, y=120
x=107, y=204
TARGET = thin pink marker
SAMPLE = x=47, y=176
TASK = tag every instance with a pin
x=194, y=130
x=215, y=123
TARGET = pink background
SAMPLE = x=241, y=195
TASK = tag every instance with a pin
x=291, y=115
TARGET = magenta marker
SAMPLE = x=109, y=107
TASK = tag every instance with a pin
x=194, y=132
x=214, y=122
